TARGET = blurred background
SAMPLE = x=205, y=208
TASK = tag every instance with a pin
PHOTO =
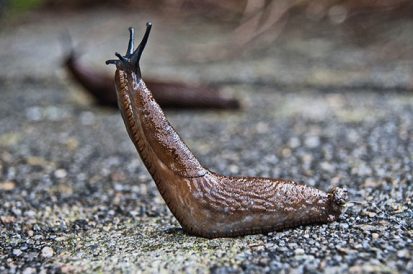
x=327, y=43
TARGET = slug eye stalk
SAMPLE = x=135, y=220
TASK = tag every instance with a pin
x=131, y=44
x=131, y=60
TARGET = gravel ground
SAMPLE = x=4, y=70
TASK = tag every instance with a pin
x=76, y=197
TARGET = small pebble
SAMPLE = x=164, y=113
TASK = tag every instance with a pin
x=404, y=253
x=17, y=252
x=299, y=251
x=7, y=186
x=7, y=219
x=47, y=252
x=312, y=141
x=60, y=173
x=29, y=270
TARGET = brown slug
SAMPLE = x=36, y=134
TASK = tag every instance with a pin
x=175, y=95
x=207, y=204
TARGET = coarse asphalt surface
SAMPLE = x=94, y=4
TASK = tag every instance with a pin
x=75, y=196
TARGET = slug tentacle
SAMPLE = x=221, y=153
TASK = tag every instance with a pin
x=131, y=60
x=131, y=44
x=205, y=203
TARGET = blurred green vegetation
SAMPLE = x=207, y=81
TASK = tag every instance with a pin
x=14, y=8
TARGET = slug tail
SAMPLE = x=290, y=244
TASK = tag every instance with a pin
x=338, y=198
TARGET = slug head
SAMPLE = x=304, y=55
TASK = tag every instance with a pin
x=130, y=62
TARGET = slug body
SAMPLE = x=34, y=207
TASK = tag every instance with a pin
x=174, y=95
x=96, y=84
x=208, y=204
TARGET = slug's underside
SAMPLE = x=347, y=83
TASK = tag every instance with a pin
x=208, y=204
